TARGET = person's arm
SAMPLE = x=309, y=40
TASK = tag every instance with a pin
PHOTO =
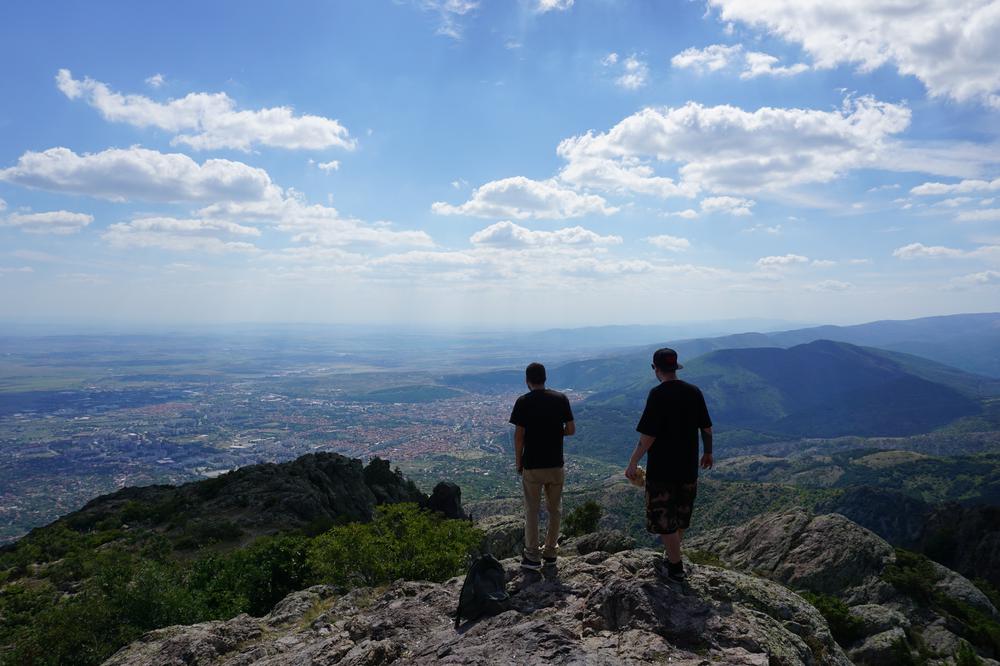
x=569, y=428
x=519, y=448
x=707, y=460
x=645, y=441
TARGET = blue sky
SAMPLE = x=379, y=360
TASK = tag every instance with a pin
x=512, y=164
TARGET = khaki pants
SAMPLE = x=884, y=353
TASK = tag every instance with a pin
x=534, y=480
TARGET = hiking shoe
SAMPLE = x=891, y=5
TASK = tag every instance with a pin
x=530, y=564
x=675, y=572
x=549, y=561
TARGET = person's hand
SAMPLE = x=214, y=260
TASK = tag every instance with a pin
x=707, y=461
x=630, y=471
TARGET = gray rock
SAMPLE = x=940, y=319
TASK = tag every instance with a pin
x=605, y=541
x=614, y=609
x=875, y=618
x=879, y=649
x=503, y=536
x=958, y=587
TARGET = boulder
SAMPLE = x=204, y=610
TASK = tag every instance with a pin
x=447, y=499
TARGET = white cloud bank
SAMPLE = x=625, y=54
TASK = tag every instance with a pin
x=508, y=234
x=59, y=222
x=669, y=243
x=520, y=198
x=543, y=6
x=139, y=174
x=949, y=45
x=206, y=121
x=727, y=149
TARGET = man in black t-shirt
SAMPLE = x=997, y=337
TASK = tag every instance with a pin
x=675, y=413
x=542, y=418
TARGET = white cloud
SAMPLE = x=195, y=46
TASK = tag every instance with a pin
x=627, y=175
x=763, y=64
x=963, y=187
x=314, y=223
x=709, y=59
x=978, y=279
x=719, y=56
x=139, y=174
x=449, y=14
x=180, y=235
x=669, y=243
x=3, y=205
x=635, y=74
x=953, y=202
x=687, y=214
x=508, y=234
x=781, y=261
x=724, y=148
x=830, y=285
x=950, y=45
x=610, y=59
x=763, y=228
x=731, y=205
x=823, y=263
x=155, y=81
x=520, y=198
x=60, y=222
x=985, y=215
x=459, y=183
x=207, y=121
x=328, y=167
x=4, y=270
x=921, y=251
x=543, y=6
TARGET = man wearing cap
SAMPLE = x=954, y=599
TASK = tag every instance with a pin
x=542, y=418
x=668, y=431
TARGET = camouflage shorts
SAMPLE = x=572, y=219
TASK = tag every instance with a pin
x=669, y=505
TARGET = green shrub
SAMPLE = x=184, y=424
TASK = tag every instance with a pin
x=846, y=628
x=401, y=542
x=583, y=519
x=966, y=656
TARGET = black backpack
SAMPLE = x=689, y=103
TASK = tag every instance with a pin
x=484, y=591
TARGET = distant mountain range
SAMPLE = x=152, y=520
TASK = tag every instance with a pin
x=910, y=377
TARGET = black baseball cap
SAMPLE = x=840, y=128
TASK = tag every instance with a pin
x=666, y=359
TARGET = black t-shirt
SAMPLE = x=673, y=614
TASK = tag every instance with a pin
x=675, y=410
x=542, y=413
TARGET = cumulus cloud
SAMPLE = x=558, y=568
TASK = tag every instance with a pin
x=830, y=285
x=60, y=222
x=719, y=56
x=508, y=234
x=669, y=243
x=921, y=251
x=206, y=121
x=329, y=167
x=782, y=261
x=139, y=174
x=520, y=198
x=964, y=187
x=725, y=148
x=155, y=81
x=543, y=6
x=949, y=45
x=731, y=205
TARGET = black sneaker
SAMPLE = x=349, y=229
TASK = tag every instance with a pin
x=549, y=561
x=675, y=572
x=530, y=564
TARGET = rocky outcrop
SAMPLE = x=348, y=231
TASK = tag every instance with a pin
x=310, y=493
x=599, y=608
x=896, y=611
